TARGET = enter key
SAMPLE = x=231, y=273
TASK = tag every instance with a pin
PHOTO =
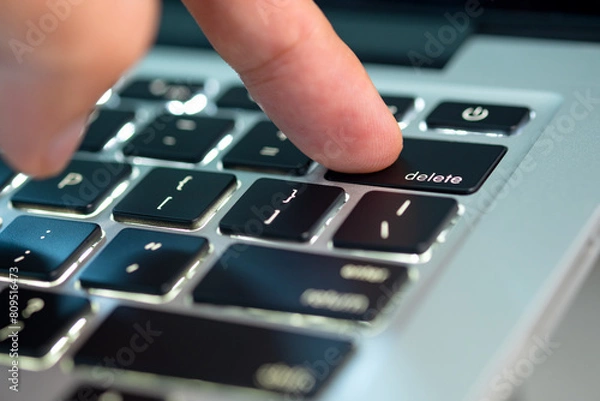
x=434, y=166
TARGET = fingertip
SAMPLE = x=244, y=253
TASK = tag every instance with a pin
x=43, y=160
x=378, y=149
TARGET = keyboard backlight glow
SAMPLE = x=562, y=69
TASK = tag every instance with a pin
x=77, y=327
x=118, y=191
x=105, y=97
x=176, y=107
x=210, y=156
x=196, y=104
x=59, y=346
x=126, y=132
x=18, y=180
x=226, y=141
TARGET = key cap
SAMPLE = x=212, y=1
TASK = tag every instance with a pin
x=174, y=198
x=237, y=97
x=281, y=209
x=186, y=347
x=435, y=166
x=162, y=89
x=104, y=127
x=391, y=222
x=482, y=118
x=268, y=149
x=79, y=189
x=399, y=105
x=34, y=321
x=43, y=249
x=6, y=175
x=295, y=282
x=185, y=139
x=93, y=393
x=143, y=261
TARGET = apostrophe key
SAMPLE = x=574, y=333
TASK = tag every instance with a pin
x=391, y=222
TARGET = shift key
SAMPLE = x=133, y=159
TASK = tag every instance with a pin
x=434, y=166
x=180, y=346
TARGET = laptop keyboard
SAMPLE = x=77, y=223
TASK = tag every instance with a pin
x=186, y=139
x=128, y=221
x=265, y=148
x=174, y=198
x=80, y=189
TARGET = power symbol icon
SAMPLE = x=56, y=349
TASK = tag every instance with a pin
x=475, y=114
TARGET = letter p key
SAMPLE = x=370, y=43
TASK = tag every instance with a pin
x=70, y=179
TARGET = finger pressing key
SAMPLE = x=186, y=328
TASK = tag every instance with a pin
x=305, y=78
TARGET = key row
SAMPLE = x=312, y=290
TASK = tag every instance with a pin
x=132, y=339
x=154, y=264
x=190, y=139
x=269, y=209
x=448, y=115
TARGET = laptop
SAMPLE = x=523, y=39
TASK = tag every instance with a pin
x=191, y=252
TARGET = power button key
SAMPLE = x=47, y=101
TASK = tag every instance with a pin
x=480, y=118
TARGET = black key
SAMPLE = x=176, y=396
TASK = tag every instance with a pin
x=282, y=280
x=174, y=198
x=281, y=209
x=43, y=249
x=436, y=166
x=185, y=139
x=35, y=321
x=474, y=117
x=93, y=393
x=390, y=222
x=399, y=105
x=268, y=149
x=79, y=189
x=162, y=89
x=6, y=175
x=237, y=97
x=166, y=344
x=104, y=127
x=142, y=261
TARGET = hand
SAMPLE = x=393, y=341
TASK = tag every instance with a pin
x=294, y=65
